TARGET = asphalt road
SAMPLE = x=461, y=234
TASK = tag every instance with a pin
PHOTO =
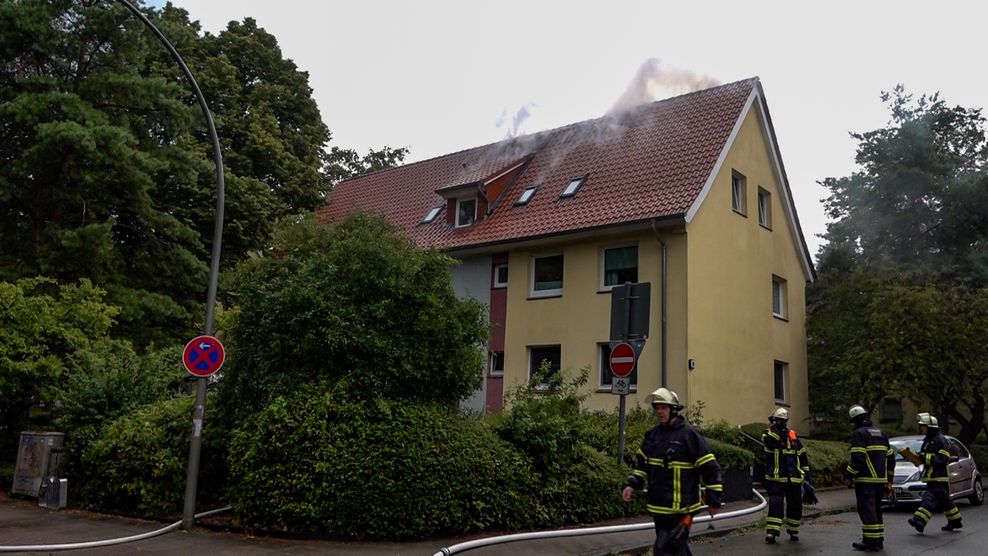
x=833, y=534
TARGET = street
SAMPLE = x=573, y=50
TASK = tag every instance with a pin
x=833, y=534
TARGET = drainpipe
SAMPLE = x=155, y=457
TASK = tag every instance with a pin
x=663, y=312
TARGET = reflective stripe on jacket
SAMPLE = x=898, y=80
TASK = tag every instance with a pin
x=671, y=463
x=935, y=457
x=872, y=459
x=785, y=456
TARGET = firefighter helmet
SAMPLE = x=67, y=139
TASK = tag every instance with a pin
x=780, y=414
x=856, y=411
x=928, y=420
x=664, y=396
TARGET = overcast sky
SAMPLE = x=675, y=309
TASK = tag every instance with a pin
x=443, y=76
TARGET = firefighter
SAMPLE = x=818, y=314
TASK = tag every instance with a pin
x=936, y=498
x=871, y=468
x=672, y=460
x=786, y=466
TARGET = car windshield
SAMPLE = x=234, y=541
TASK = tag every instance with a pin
x=914, y=445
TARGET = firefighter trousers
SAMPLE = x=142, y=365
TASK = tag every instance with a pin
x=785, y=506
x=869, y=501
x=665, y=525
x=937, y=499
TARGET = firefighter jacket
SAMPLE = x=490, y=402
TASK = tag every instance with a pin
x=935, y=457
x=670, y=463
x=872, y=459
x=785, y=456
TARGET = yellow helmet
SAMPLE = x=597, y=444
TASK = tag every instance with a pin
x=856, y=411
x=781, y=414
x=927, y=420
x=664, y=396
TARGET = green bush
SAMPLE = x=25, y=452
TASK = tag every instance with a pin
x=331, y=464
x=730, y=456
x=980, y=453
x=137, y=464
x=828, y=460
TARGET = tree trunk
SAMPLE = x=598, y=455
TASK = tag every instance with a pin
x=971, y=427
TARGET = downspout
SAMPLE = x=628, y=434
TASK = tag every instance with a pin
x=662, y=296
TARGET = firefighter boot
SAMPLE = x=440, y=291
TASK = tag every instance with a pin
x=866, y=545
x=770, y=538
x=952, y=525
x=917, y=524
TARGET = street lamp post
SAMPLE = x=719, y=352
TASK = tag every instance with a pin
x=198, y=413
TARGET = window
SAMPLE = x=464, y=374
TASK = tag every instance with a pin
x=778, y=297
x=547, y=276
x=606, y=376
x=500, y=276
x=431, y=215
x=764, y=208
x=572, y=186
x=781, y=382
x=890, y=411
x=956, y=448
x=497, y=363
x=466, y=212
x=738, y=191
x=526, y=195
x=620, y=265
x=547, y=356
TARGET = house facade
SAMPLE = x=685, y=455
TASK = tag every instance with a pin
x=688, y=194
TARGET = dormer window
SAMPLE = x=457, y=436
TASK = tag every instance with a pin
x=432, y=214
x=573, y=185
x=526, y=195
x=466, y=212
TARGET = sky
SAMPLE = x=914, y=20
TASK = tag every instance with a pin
x=441, y=76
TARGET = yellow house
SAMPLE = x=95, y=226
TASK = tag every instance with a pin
x=688, y=194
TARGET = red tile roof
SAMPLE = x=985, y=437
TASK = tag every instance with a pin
x=648, y=162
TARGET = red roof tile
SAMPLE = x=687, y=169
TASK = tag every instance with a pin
x=648, y=162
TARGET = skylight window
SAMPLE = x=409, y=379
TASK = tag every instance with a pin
x=433, y=212
x=526, y=195
x=573, y=185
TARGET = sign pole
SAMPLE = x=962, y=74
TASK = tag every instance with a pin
x=620, y=454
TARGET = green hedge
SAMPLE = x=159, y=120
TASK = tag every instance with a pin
x=324, y=463
x=980, y=453
x=137, y=464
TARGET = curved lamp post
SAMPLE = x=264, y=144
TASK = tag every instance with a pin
x=195, y=447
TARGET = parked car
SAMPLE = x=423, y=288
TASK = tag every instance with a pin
x=965, y=479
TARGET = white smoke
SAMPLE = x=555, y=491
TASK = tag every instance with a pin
x=654, y=81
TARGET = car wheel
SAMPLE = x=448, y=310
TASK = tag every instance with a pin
x=978, y=496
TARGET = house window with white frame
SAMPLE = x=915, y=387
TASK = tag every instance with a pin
x=781, y=371
x=764, y=208
x=497, y=363
x=618, y=265
x=739, y=188
x=500, y=279
x=466, y=212
x=547, y=276
x=541, y=358
x=431, y=215
x=572, y=187
x=779, y=297
x=606, y=376
x=526, y=195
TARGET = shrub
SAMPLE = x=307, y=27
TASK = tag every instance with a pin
x=331, y=464
x=828, y=460
x=980, y=453
x=137, y=464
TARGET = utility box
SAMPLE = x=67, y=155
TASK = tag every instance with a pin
x=37, y=458
x=53, y=493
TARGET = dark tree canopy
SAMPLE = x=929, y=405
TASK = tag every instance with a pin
x=106, y=168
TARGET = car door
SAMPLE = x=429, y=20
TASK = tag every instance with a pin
x=960, y=470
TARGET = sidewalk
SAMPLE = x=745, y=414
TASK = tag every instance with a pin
x=22, y=522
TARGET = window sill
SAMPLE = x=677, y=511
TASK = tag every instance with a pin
x=782, y=403
x=735, y=211
x=780, y=317
x=769, y=228
x=536, y=297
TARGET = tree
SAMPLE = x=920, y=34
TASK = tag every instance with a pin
x=45, y=330
x=344, y=164
x=920, y=201
x=355, y=304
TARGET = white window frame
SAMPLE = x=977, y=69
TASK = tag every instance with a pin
x=764, y=208
x=497, y=283
x=603, y=266
x=526, y=195
x=432, y=214
x=531, y=281
x=739, y=193
x=459, y=202
x=784, y=400
x=493, y=370
x=780, y=297
x=534, y=367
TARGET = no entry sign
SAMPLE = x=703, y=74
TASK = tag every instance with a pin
x=203, y=355
x=622, y=359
